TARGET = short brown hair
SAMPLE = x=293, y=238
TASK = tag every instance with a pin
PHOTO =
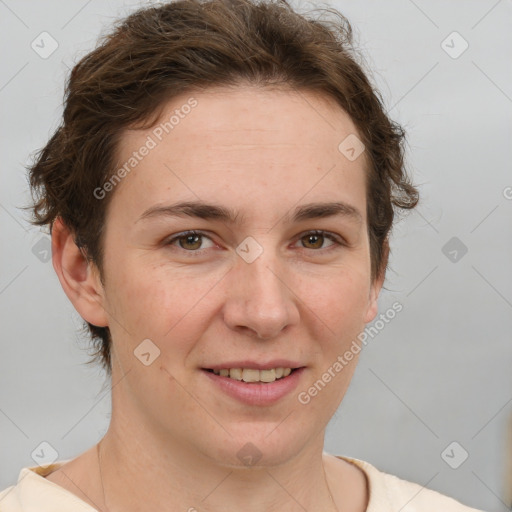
x=160, y=52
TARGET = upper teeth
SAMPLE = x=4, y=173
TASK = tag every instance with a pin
x=251, y=375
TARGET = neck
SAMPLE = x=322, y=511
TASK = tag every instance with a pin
x=172, y=476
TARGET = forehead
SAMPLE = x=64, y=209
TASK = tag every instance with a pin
x=225, y=115
x=244, y=146
x=286, y=114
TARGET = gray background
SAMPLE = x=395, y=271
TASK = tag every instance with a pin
x=438, y=373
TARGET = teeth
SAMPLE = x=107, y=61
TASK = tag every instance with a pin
x=268, y=375
x=251, y=375
x=235, y=373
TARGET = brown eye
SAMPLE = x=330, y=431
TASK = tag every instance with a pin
x=315, y=240
x=190, y=242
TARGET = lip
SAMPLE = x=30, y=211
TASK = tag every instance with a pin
x=254, y=365
x=256, y=393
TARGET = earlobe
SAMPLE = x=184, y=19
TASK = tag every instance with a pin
x=78, y=277
x=373, y=306
x=376, y=286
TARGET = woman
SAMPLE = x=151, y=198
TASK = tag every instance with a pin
x=220, y=195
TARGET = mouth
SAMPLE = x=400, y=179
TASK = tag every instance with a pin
x=253, y=375
x=255, y=386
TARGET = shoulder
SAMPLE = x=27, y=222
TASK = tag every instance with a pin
x=387, y=493
x=34, y=492
x=390, y=493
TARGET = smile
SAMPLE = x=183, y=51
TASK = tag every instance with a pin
x=254, y=375
x=253, y=386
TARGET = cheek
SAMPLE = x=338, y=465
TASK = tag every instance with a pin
x=339, y=299
x=159, y=303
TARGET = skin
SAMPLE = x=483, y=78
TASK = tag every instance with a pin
x=262, y=153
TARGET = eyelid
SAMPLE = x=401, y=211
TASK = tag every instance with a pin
x=191, y=232
x=333, y=237
x=337, y=239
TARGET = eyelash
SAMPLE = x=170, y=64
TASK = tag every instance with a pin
x=192, y=253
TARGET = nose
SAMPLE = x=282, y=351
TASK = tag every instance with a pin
x=259, y=299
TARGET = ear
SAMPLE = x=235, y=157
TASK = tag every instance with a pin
x=376, y=285
x=78, y=277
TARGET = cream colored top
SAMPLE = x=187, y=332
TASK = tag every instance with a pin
x=388, y=493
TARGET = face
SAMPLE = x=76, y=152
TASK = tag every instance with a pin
x=275, y=274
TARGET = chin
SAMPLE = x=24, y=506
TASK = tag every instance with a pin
x=265, y=446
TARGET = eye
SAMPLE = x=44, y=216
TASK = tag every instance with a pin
x=317, y=238
x=189, y=241
x=192, y=241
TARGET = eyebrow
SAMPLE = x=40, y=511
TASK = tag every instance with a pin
x=202, y=210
